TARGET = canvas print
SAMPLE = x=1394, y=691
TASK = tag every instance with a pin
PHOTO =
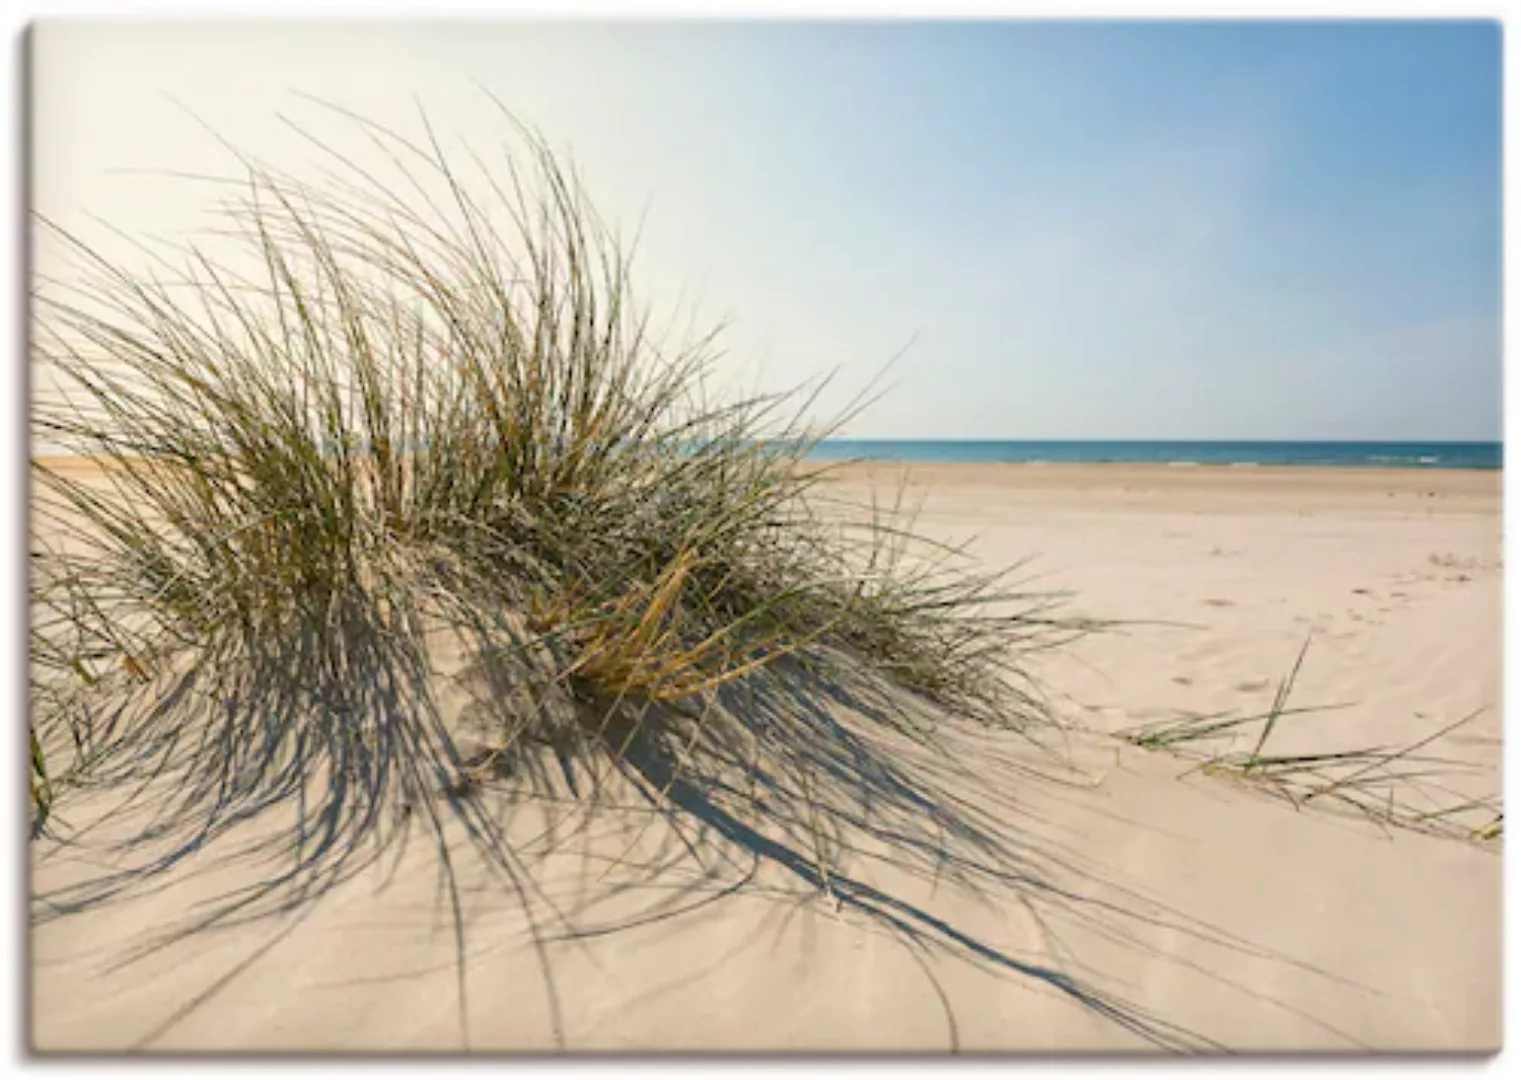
x=750, y=537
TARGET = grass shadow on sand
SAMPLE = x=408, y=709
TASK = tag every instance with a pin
x=870, y=806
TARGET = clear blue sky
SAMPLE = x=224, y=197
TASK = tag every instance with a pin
x=1095, y=230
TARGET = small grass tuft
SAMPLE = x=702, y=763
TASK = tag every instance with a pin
x=1392, y=786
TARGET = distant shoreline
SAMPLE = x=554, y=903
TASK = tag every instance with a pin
x=1424, y=457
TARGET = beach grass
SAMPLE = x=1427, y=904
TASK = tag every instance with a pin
x=1401, y=786
x=379, y=421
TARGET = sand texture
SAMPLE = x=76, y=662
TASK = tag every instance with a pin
x=1102, y=897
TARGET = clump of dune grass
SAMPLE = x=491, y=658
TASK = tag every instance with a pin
x=1402, y=786
x=386, y=434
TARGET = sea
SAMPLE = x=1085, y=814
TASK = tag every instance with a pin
x=1358, y=455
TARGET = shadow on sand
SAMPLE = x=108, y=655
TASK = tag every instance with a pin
x=863, y=799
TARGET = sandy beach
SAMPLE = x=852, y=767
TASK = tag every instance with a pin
x=1141, y=903
x=470, y=611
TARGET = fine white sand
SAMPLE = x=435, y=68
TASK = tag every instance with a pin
x=1132, y=908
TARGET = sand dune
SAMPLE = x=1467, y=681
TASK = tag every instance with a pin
x=1112, y=906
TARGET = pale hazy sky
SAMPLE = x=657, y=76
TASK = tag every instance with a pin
x=1094, y=230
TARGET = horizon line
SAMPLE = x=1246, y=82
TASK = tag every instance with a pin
x=1172, y=439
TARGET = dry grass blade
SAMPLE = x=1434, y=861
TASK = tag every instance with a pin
x=1279, y=700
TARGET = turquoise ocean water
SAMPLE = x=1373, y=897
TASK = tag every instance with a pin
x=1365, y=455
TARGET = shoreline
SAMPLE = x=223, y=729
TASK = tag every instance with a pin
x=1165, y=466
x=1278, y=466
x=1302, y=453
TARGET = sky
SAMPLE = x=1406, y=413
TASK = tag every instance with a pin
x=1067, y=230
